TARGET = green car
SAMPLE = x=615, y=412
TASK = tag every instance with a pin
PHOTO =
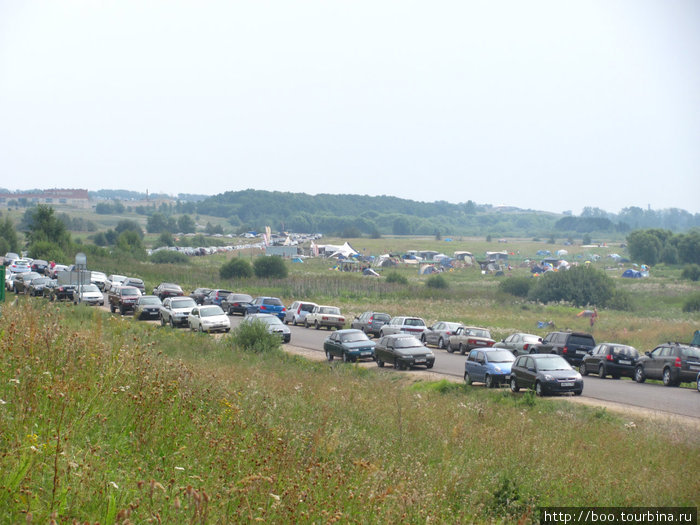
x=349, y=345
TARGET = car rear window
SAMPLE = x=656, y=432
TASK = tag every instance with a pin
x=307, y=307
x=414, y=322
x=581, y=340
x=690, y=352
x=381, y=317
x=272, y=301
x=626, y=351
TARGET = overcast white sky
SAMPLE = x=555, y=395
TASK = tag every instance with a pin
x=545, y=105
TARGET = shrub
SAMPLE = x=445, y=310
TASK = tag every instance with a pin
x=396, y=277
x=620, y=300
x=254, y=337
x=692, y=304
x=272, y=267
x=518, y=286
x=436, y=281
x=168, y=257
x=581, y=286
x=691, y=272
x=236, y=269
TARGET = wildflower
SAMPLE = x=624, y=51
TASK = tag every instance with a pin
x=274, y=496
x=179, y=468
x=15, y=381
x=3, y=402
x=114, y=485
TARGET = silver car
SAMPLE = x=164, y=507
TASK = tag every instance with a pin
x=520, y=343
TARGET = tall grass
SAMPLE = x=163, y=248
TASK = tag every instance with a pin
x=105, y=419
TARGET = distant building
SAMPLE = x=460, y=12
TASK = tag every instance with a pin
x=55, y=197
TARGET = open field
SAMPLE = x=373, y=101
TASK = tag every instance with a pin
x=105, y=419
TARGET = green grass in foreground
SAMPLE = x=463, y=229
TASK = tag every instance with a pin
x=105, y=419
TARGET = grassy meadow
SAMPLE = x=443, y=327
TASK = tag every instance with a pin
x=107, y=420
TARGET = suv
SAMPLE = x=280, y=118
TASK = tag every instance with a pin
x=673, y=363
x=403, y=325
x=297, y=312
x=370, y=322
x=176, y=310
x=572, y=346
x=123, y=298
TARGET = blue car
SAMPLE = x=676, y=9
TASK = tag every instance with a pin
x=267, y=305
x=488, y=365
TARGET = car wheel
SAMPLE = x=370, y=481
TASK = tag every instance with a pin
x=329, y=356
x=111, y=308
x=538, y=389
x=462, y=350
x=316, y=325
x=467, y=378
x=514, y=385
x=582, y=369
x=201, y=329
x=430, y=365
x=422, y=338
x=578, y=392
x=346, y=358
x=449, y=348
x=380, y=363
x=121, y=310
x=698, y=383
x=441, y=343
x=489, y=381
x=172, y=323
x=639, y=375
x=666, y=377
x=601, y=371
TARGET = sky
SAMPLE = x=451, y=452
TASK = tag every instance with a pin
x=544, y=105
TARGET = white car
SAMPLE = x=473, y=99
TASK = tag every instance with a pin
x=327, y=316
x=114, y=281
x=208, y=318
x=99, y=279
x=273, y=325
x=88, y=294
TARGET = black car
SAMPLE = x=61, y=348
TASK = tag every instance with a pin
x=136, y=283
x=572, y=346
x=236, y=303
x=673, y=363
x=40, y=266
x=147, y=307
x=164, y=290
x=199, y=294
x=60, y=292
x=403, y=351
x=370, y=322
x=20, y=284
x=610, y=359
x=216, y=296
x=36, y=286
x=546, y=374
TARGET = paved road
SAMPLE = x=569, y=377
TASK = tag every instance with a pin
x=671, y=400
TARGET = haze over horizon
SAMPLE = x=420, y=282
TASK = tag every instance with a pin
x=543, y=105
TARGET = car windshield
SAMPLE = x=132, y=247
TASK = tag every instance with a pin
x=270, y=320
x=183, y=303
x=501, y=356
x=149, y=300
x=89, y=288
x=210, y=311
x=407, y=342
x=128, y=290
x=332, y=310
x=353, y=337
x=552, y=363
x=40, y=280
x=414, y=322
x=478, y=333
x=169, y=286
x=272, y=301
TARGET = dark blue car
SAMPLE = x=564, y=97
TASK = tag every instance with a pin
x=267, y=305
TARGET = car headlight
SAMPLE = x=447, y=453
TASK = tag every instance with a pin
x=578, y=376
x=548, y=377
x=497, y=369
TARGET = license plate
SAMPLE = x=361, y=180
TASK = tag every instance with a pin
x=365, y=353
x=625, y=362
x=695, y=367
x=420, y=360
x=582, y=352
x=567, y=384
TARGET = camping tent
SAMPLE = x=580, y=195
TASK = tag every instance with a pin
x=632, y=274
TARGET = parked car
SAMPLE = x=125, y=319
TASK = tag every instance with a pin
x=199, y=294
x=520, y=343
x=572, y=346
x=20, y=283
x=267, y=305
x=147, y=307
x=9, y=258
x=439, y=334
x=546, y=374
x=99, y=279
x=236, y=303
x=40, y=266
x=60, y=292
x=136, y=283
x=403, y=325
x=488, y=365
x=610, y=359
x=36, y=286
x=403, y=351
x=349, y=345
x=466, y=338
x=88, y=294
x=370, y=322
x=164, y=290
x=208, y=318
x=323, y=316
x=53, y=270
x=175, y=311
x=673, y=363
x=123, y=298
x=48, y=288
x=20, y=266
x=272, y=323
x=297, y=311
x=216, y=296
x=697, y=381
x=114, y=281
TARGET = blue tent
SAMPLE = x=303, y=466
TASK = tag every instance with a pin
x=632, y=274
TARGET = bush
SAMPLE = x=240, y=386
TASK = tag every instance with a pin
x=272, y=267
x=236, y=269
x=168, y=257
x=396, y=277
x=692, y=304
x=436, y=281
x=620, y=300
x=254, y=337
x=581, y=286
x=518, y=286
x=691, y=272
